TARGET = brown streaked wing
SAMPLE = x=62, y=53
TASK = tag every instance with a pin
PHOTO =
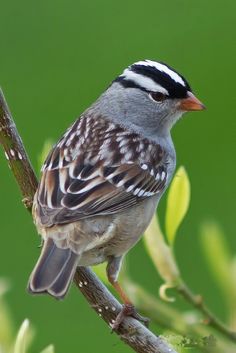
x=98, y=168
x=123, y=187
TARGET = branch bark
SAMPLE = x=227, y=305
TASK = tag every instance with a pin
x=210, y=319
x=132, y=332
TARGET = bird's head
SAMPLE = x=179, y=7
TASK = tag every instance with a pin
x=149, y=95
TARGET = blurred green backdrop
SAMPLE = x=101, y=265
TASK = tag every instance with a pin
x=56, y=58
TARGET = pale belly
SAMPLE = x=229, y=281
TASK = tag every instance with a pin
x=125, y=230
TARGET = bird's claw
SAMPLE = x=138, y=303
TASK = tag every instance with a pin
x=128, y=310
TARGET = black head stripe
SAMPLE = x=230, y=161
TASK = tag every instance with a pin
x=185, y=81
x=157, y=73
x=175, y=89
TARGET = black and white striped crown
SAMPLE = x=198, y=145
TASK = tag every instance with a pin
x=155, y=76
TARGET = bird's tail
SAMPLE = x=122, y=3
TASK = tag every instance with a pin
x=54, y=270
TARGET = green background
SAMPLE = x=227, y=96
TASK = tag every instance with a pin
x=56, y=57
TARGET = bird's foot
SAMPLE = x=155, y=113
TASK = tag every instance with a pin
x=128, y=310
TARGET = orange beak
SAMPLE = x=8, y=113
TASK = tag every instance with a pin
x=191, y=103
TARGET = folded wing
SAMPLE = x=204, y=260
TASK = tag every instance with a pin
x=107, y=172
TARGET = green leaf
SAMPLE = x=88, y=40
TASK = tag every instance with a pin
x=177, y=203
x=4, y=286
x=220, y=260
x=45, y=150
x=160, y=253
x=23, y=338
x=6, y=324
x=48, y=349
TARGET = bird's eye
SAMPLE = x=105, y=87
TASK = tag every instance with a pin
x=158, y=96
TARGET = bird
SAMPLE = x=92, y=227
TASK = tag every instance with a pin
x=102, y=181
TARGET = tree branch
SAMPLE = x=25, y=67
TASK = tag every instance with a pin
x=100, y=299
x=16, y=154
x=210, y=319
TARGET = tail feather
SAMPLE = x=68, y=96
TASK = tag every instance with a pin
x=54, y=270
x=58, y=287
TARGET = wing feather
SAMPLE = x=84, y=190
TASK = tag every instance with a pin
x=90, y=179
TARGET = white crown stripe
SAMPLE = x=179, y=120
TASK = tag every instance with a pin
x=163, y=68
x=144, y=81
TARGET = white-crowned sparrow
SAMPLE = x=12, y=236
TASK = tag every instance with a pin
x=102, y=181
